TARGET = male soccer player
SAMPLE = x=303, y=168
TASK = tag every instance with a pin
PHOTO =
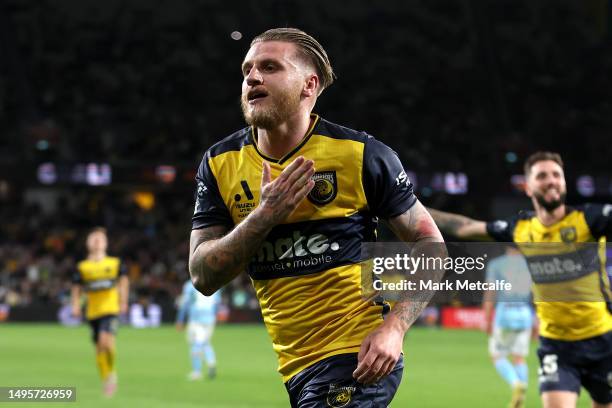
x=575, y=336
x=290, y=199
x=106, y=287
x=200, y=312
x=510, y=331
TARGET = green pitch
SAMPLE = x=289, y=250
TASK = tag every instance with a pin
x=443, y=368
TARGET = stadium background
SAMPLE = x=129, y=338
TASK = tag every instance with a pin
x=107, y=107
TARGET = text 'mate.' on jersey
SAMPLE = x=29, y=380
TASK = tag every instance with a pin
x=306, y=273
x=567, y=265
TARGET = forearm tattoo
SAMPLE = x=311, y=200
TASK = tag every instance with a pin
x=450, y=223
x=217, y=258
x=417, y=226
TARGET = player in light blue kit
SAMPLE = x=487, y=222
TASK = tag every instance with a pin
x=509, y=332
x=200, y=312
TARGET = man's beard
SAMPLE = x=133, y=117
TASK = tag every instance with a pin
x=550, y=206
x=278, y=110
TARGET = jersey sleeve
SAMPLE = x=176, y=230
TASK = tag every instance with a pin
x=209, y=206
x=502, y=230
x=388, y=190
x=599, y=219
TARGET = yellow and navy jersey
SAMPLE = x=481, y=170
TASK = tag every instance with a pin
x=306, y=273
x=99, y=280
x=567, y=263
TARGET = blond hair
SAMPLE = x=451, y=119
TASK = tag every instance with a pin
x=308, y=48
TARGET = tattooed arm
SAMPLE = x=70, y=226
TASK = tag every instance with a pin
x=217, y=256
x=460, y=226
x=416, y=225
x=381, y=349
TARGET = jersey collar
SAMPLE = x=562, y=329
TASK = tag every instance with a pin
x=541, y=227
x=295, y=149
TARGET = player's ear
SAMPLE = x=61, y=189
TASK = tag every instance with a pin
x=311, y=86
x=528, y=189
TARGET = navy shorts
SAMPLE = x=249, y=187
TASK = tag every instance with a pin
x=330, y=383
x=107, y=324
x=566, y=365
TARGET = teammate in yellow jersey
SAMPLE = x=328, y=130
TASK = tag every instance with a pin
x=106, y=288
x=575, y=336
x=290, y=199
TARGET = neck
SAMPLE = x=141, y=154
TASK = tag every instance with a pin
x=548, y=218
x=96, y=256
x=279, y=141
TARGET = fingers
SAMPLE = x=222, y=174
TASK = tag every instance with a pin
x=281, y=196
x=291, y=174
x=291, y=168
x=303, y=182
x=294, y=176
x=371, y=375
x=303, y=191
x=373, y=368
x=265, y=175
x=293, y=180
x=386, y=370
x=372, y=365
x=362, y=365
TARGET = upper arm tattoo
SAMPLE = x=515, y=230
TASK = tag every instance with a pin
x=415, y=225
x=200, y=236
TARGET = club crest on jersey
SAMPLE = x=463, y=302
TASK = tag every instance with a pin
x=338, y=397
x=568, y=234
x=325, y=188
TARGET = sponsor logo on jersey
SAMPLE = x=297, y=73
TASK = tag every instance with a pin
x=338, y=397
x=201, y=190
x=295, y=252
x=560, y=268
x=246, y=191
x=402, y=178
x=325, y=188
x=244, y=200
x=100, y=284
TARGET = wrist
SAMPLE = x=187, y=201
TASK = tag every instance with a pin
x=263, y=219
x=396, y=323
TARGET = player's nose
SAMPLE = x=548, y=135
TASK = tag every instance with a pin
x=552, y=184
x=254, y=77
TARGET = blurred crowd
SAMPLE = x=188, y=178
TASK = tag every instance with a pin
x=136, y=80
x=39, y=250
x=452, y=85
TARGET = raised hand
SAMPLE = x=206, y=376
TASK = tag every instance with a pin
x=280, y=197
x=217, y=257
